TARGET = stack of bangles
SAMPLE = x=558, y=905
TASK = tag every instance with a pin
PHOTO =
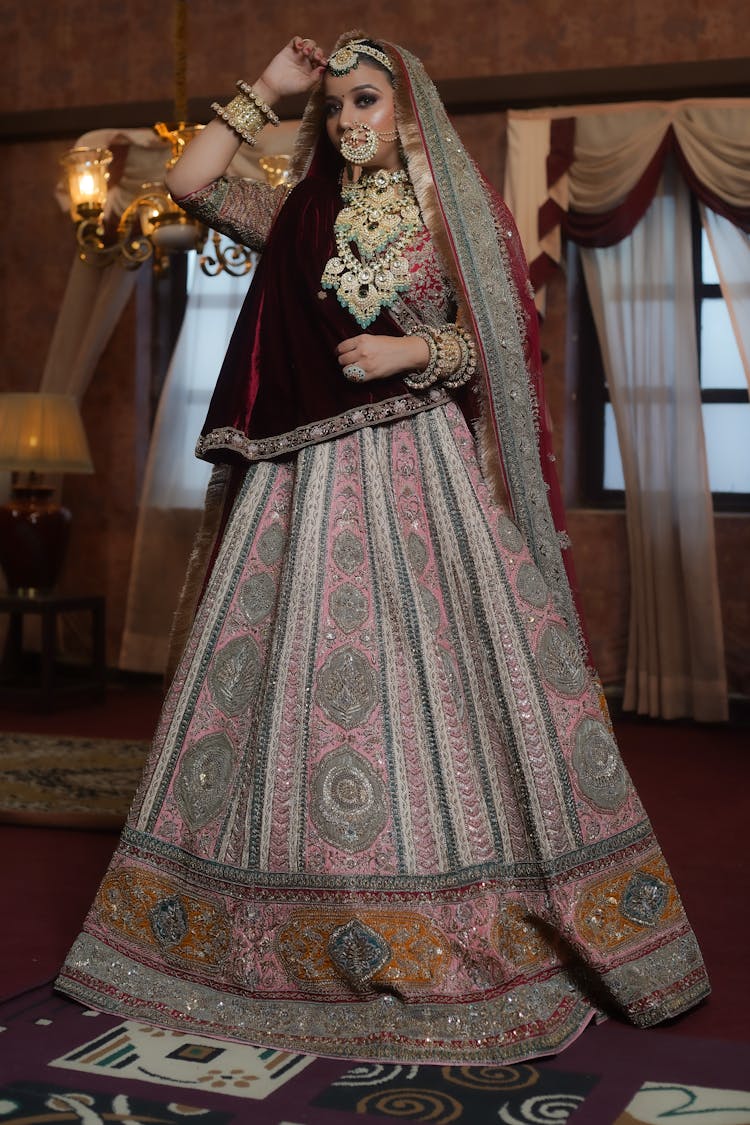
x=246, y=113
x=452, y=360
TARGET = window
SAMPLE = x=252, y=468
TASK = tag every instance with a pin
x=724, y=392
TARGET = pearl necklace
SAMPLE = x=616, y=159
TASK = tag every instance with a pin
x=379, y=216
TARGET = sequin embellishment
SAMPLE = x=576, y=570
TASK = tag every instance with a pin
x=560, y=661
x=417, y=552
x=510, y=536
x=271, y=544
x=316, y=945
x=431, y=606
x=531, y=585
x=348, y=607
x=598, y=767
x=346, y=688
x=155, y=911
x=347, y=552
x=644, y=898
x=348, y=800
x=168, y=921
x=517, y=937
x=203, y=778
x=235, y=674
x=614, y=911
x=358, y=952
x=257, y=597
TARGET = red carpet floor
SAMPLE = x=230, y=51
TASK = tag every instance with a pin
x=693, y=781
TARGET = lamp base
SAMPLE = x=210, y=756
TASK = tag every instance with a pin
x=34, y=534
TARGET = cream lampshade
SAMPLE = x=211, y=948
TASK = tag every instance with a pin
x=39, y=433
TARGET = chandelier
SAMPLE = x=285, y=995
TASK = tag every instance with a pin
x=152, y=226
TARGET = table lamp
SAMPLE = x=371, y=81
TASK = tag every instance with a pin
x=39, y=433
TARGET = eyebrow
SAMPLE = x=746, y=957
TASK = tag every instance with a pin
x=356, y=89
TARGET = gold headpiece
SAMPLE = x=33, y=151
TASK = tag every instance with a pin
x=347, y=57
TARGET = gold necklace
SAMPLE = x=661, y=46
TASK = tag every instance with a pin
x=378, y=218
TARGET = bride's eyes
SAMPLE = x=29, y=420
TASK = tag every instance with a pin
x=362, y=101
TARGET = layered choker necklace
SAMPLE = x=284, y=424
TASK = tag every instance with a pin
x=379, y=216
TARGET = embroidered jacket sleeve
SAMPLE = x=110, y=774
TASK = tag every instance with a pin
x=242, y=209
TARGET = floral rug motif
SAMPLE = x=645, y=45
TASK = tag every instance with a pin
x=68, y=782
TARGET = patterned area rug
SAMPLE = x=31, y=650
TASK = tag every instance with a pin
x=62, y=1062
x=67, y=782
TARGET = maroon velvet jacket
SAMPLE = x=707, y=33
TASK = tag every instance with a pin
x=281, y=377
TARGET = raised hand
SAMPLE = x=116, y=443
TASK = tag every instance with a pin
x=294, y=70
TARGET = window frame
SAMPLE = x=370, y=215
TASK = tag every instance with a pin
x=592, y=391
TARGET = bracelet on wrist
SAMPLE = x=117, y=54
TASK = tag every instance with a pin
x=460, y=356
x=246, y=114
x=452, y=358
x=421, y=380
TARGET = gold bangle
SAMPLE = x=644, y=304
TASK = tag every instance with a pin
x=467, y=364
x=264, y=108
x=421, y=380
x=246, y=114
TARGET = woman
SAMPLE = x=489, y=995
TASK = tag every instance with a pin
x=384, y=816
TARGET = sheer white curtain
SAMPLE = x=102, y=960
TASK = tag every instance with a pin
x=641, y=293
x=605, y=170
x=175, y=481
x=730, y=247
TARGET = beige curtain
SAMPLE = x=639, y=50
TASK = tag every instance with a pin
x=614, y=145
x=730, y=247
x=175, y=482
x=641, y=293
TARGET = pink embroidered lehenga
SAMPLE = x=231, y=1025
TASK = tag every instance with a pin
x=385, y=816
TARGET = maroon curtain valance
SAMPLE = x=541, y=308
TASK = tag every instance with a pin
x=605, y=228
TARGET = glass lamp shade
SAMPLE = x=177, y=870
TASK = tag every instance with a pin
x=42, y=433
x=38, y=433
x=87, y=173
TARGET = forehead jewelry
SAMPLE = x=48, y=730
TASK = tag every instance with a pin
x=347, y=57
x=360, y=143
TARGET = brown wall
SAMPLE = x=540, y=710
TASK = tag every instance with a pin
x=59, y=56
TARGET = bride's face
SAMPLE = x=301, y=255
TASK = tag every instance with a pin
x=364, y=96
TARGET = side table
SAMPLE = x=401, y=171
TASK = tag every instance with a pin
x=39, y=680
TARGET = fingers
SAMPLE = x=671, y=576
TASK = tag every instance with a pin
x=351, y=357
x=346, y=348
x=310, y=50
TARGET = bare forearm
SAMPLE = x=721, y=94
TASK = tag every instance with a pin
x=210, y=153
x=294, y=69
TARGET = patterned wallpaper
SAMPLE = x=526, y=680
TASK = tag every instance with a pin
x=86, y=52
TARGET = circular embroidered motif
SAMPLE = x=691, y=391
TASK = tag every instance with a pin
x=598, y=767
x=257, y=597
x=347, y=800
x=531, y=585
x=346, y=688
x=416, y=549
x=271, y=544
x=560, y=661
x=203, y=779
x=510, y=536
x=234, y=675
x=348, y=553
x=348, y=607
